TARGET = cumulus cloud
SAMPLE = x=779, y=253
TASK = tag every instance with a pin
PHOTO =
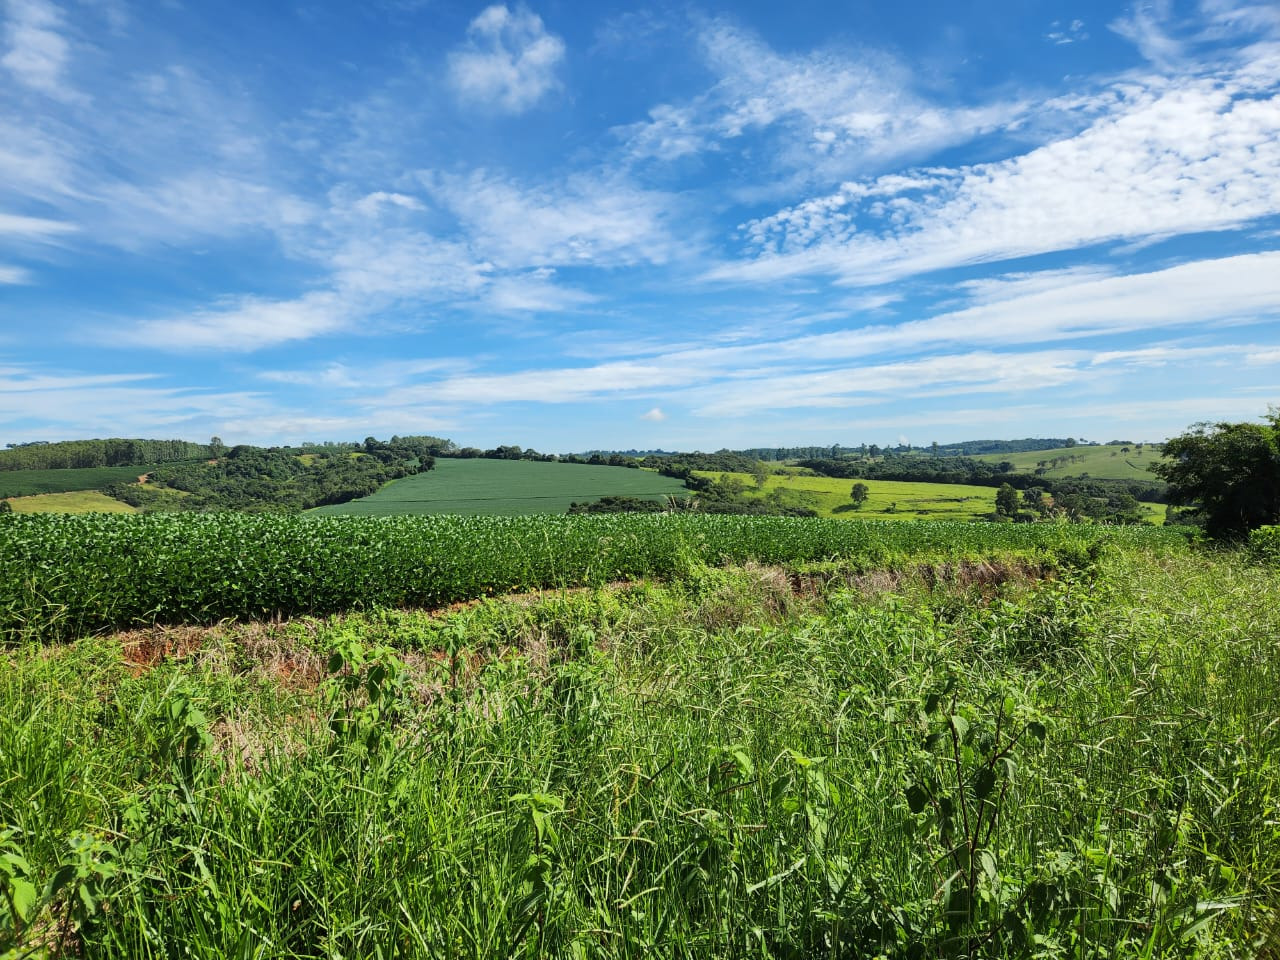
x=654, y=415
x=509, y=60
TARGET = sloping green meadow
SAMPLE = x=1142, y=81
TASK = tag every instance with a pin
x=1041, y=752
x=887, y=499
x=1103, y=462
x=479, y=487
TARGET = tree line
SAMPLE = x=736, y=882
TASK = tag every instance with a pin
x=279, y=479
x=112, y=452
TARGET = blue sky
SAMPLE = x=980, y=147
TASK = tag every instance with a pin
x=574, y=225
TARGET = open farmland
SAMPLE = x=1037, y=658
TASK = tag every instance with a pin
x=888, y=499
x=481, y=487
x=1103, y=462
x=28, y=483
x=896, y=740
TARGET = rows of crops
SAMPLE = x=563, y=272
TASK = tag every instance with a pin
x=63, y=576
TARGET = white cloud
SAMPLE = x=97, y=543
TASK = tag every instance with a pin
x=944, y=375
x=534, y=292
x=243, y=325
x=1263, y=357
x=849, y=110
x=1193, y=155
x=509, y=61
x=584, y=220
x=654, y=415
x=13, y=275
x=37, y=52
x=33, y=228
x=372, y=204
x=1145, y=27
x=1062, y=32
x=203, y=204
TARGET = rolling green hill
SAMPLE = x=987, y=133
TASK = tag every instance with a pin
x=506, y=488
x=1104, y=462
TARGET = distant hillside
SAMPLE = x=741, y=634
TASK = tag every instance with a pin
x=837, y=450
x=1103, y=462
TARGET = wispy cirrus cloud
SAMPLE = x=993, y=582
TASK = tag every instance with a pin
x=584, y=219
x=509, y=60
x=839, y=111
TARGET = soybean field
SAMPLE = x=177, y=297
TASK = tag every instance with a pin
x=483, y=487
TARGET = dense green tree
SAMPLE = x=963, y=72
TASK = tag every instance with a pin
x=1007, y=501
x=1228, y=472
x=859, y=495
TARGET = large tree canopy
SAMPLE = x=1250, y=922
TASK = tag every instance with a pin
x=1230, y=472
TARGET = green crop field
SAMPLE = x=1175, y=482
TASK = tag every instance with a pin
x=927, y=740
x=1103, y=462
x=888, y=499
x=27, y=483
x=506, y=488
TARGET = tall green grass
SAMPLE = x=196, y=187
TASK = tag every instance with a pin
x=1086, y=766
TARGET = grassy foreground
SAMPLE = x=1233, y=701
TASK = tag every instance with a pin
x=998, y=759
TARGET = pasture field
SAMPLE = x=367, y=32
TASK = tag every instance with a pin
x=28, y=483
x=944, y=501
x=987, y=743
x=1103, y=462
x=78, y=501
x=479, y=487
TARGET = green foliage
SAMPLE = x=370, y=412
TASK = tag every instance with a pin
x=1230, y=472
x=1264, y=544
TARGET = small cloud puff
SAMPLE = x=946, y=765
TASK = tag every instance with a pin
x=656, y=415
x=509, y=60
x=1061, y=33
